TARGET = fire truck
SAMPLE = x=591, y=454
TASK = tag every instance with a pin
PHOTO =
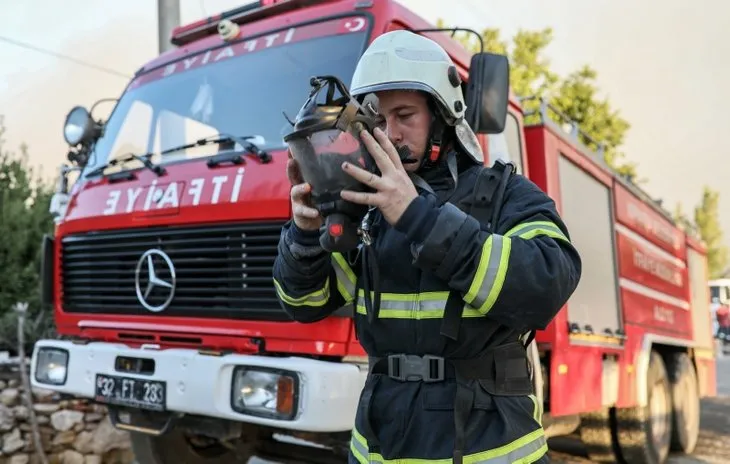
x=159, y=267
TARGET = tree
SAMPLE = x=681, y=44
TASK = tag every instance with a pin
x=575, y=97
x=708, y=224
x=682, y=221
x=24, y=218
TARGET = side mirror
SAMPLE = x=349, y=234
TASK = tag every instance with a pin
x=79, y=127
x=487, y=93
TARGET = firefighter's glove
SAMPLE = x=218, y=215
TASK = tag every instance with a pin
x=394, y=188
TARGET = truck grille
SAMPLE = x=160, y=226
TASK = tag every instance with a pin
x=219, y=271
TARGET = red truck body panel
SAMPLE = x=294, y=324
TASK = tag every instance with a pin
x=650, y=268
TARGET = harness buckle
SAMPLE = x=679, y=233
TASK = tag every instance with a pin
x=414, y=368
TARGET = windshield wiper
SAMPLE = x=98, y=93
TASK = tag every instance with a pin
x=226, y=139
x=222, y=139
x=144, y=159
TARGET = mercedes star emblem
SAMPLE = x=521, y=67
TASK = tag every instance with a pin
x=153, y=280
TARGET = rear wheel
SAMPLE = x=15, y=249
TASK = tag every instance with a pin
x=177, y=447
x=595, y=433
x=686, y=403
x=644, y=433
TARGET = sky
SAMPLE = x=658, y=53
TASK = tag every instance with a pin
x=662, y=65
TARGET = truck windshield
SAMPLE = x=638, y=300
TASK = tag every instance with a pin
x=243, y=88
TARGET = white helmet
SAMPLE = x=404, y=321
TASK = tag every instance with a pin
x=402, y=60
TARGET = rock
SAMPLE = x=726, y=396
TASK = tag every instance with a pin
x=12, y=383
x=3, y=385
x=92, y=459
x=46, y=409
x=21, y=412
x=93, y=417
x=64, y=438
x=9, y=396
x=83, y=441
x=79, y=427
x=12, y=442
x=19, y=459
x=90, y=426
x=107, y=437
x=42, y=420
x=65, y=419
x=7, y=420
x=72, y=457
x=42, y=395
x=119, y=456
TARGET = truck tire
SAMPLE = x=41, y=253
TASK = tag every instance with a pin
x=175, y=447
x=644, y=433
x=685, y=402
x=596, y=435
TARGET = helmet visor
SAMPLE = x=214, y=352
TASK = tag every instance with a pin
x=320, y=156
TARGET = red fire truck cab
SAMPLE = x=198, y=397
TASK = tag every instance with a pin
x=159, y=269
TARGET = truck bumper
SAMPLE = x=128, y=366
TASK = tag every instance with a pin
x=325, y=394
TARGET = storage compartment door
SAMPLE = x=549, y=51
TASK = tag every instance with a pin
x=587, y=211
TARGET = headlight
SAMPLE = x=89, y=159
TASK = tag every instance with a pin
x=265, y=392
x=51, y=366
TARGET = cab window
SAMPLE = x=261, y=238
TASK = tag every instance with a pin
x=719, y=294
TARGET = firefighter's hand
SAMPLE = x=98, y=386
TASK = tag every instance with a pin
x=306, y=217
x=394, y=189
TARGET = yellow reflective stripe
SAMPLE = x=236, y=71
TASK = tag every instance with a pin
x=530, y=230
x=346, y=279
x=418, y=306
x=494, y=261
x=490, y=274
x=317, y=298
x=537, y=412
x=525, y=450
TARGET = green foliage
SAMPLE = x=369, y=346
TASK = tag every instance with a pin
x=683, y=222
x=24, y=218
x=707, y=219
x=575, y=96
x=705, y=225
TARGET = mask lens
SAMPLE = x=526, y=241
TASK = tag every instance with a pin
x=320, y=157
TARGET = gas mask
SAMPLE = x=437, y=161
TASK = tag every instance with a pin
x=324, y=135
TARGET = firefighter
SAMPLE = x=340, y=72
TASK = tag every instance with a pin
x=449, y=377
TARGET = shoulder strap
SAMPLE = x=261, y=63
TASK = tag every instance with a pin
x=485, y=206
x=489, y=192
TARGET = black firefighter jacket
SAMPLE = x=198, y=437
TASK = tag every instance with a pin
x=512, y=281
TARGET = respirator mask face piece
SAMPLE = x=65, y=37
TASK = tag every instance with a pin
x=326, y=134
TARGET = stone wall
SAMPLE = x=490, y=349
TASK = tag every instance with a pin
x=72, y=431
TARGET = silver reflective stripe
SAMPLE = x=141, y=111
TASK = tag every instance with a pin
x=359, y=450
x=495, y=255
x=345, y=281
x=427, y=305
x=532, y=229
x=316, y=298
x=534, y=447
x=525, y=450
x=407, y=305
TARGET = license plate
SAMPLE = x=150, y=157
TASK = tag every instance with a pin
x=125, y=391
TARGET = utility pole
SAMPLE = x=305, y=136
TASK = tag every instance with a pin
x=168, y=17
x=172, y=131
